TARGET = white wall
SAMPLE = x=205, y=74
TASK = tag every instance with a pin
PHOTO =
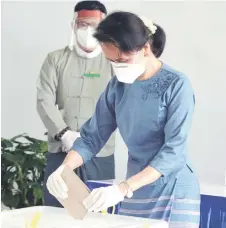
x=196, y=38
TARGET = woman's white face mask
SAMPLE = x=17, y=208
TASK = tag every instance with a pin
x=129, y=72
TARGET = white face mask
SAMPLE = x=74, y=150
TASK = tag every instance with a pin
x=88, y=55
x=128, y=72
x=85, y=38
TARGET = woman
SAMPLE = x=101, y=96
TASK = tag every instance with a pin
x=152, y=105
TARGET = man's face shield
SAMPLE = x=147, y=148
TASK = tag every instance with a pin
x=84, y=23
x=83, y=27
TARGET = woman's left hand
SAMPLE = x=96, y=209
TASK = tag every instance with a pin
x=102, y=198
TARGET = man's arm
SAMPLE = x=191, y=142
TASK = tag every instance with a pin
x=46, y=98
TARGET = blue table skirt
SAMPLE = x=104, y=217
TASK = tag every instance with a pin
x=213, y=208
x=213, y=212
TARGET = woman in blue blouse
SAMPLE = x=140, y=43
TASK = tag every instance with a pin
x=152, y=105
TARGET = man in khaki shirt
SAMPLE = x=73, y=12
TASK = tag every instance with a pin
x=70, y=83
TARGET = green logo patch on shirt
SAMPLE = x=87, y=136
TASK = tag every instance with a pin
x=91, y=75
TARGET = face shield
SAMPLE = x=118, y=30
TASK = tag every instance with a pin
x=82, y=29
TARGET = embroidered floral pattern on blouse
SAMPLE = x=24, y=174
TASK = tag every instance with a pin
x=158, y=85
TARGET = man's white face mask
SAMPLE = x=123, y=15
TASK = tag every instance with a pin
x=85, y=38
x=83, y=28
x=129, y=72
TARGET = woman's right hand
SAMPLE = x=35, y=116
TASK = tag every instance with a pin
x=56, y=185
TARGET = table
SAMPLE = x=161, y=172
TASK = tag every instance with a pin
x=51, y=217
x=213, y=206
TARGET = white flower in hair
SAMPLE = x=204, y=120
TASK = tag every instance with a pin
x=149, y=24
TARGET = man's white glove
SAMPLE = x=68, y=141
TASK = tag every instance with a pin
x=68, y=139
x=102, y=198
x=56, y=185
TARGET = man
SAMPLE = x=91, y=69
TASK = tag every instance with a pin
x=70, y=83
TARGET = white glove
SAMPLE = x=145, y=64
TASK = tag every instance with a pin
x=68, y=139
x=102, y=198
x=56, y=185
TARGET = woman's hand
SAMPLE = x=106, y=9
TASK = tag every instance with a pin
x=102, y=198
x=56, y=185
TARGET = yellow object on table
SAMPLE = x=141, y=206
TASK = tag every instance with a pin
x=34, y=221
x=106, y=211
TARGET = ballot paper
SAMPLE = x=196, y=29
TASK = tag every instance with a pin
x=77, y=192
